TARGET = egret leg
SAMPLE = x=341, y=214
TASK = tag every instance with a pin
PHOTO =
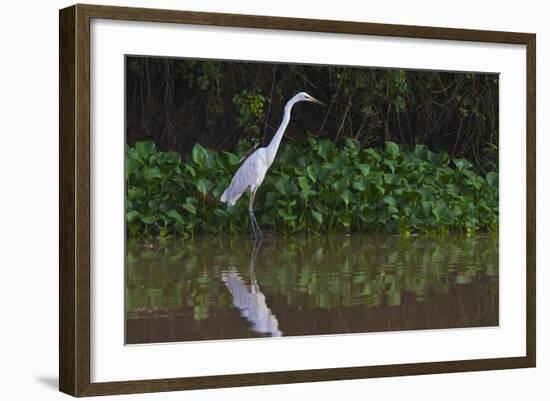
x=256, y=232
x=251, y=216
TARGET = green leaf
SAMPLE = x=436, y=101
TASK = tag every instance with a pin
x=148, y=219
x=326, y=172
x=360, y=184
x=393, y=149
x=453, y=190
x=462, y=164
x=391, y=178
x=492, y=179
x=390, y=200
x=132, y=216
x=437, y=159
x=174, y=215
x=445, y=171
x=392, y=209
x=303, y=183
x=352, y=145
x=191, y=170
x=311, y=173
x=172, y=157
x=364, y=168
x=427, y=193
x=340, y=185
x=324, y=148
x=285, y=216
x=151, y=173
x=347, y=196
x=190, y=207
x=132, y=153
x=421, y=152
x=399, y=103
x=132, y=165
x=392, y=164
x=204, y=185
x=317, y=216
x=373, y=154
x=144, y=149
x=476, y=182
x=281, y=187
x=426, y=206
x=439, y=210
x=232, y=158
x=198, y=155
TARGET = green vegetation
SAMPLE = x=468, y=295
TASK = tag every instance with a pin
x=250, y=106
x=314, y=186
x=179, y=102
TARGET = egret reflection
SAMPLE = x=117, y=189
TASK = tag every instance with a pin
x=249, y=299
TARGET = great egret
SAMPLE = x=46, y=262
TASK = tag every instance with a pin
x=252, y=172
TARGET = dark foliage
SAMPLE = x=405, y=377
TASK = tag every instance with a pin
x=176, y=103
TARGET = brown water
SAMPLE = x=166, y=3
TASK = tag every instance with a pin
x=208, y=289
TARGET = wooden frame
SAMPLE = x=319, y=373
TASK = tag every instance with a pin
x=74, y=199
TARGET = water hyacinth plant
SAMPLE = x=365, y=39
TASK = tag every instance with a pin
x=314, y=186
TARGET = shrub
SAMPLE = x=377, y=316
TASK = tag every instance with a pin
x=313, y=186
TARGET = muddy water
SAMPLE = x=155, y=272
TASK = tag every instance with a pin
x=208, y=289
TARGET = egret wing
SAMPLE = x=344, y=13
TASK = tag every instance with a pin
x=242, y=179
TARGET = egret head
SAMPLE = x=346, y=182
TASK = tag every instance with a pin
x=304, y=97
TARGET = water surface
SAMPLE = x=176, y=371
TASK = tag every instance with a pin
x=208, y=289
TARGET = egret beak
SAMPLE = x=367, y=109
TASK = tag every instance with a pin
x=312, y=99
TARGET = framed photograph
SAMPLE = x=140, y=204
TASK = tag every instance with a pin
x=251, y=200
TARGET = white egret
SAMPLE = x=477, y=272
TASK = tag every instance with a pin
x=251, y=173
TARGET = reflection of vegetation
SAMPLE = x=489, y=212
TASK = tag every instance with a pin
x=313, y=186
x=325, y=272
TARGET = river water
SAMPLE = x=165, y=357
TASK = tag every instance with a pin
x=214, y=288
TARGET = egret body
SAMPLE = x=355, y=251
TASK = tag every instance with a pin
x=251, y=173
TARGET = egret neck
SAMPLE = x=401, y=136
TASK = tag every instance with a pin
x=276, y=140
